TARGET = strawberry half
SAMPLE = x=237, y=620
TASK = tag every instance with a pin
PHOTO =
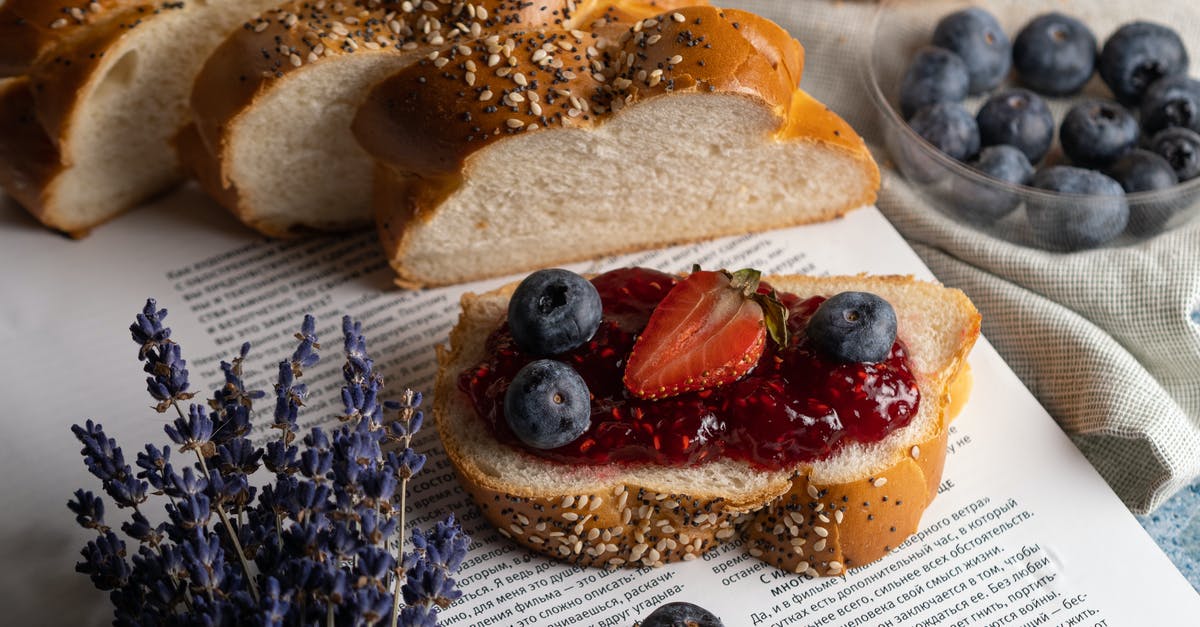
x=709, y=330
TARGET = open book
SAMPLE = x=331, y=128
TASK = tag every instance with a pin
x=1023, y=531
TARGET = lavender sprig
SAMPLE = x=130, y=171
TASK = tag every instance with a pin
x=321, y=544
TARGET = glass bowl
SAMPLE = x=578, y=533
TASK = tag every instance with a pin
x=903, y=26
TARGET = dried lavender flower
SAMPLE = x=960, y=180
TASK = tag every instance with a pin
x=320, y=544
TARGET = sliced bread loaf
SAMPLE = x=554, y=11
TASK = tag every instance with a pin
x=273, y=104
x=795, y=518
x=690, y=127
x=107, y=100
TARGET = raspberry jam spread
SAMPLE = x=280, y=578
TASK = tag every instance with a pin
x=794, y=406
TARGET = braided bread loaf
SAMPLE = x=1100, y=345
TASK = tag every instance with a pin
x=543, y=147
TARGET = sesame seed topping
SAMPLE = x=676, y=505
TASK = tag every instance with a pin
x=821, y=531
x=916, y=452
x=819, y=545
x=485, y=95
x=880, y=482
x=675, y=60
x=678, y=17
x=838, y=516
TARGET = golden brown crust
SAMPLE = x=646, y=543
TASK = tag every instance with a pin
x=28, y=159
x=29, y=29
x=817, y=529
x=430, y=117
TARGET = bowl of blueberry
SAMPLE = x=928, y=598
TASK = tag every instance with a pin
x=1064, y=127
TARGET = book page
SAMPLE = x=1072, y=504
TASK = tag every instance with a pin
x=1023, y=531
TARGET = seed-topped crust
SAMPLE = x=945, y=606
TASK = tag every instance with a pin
x=30, y=28
x=429, y=118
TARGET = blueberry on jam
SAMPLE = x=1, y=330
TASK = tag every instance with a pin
x=796, y=405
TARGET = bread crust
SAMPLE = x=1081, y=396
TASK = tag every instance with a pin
x=803, y=519
x=31, y=28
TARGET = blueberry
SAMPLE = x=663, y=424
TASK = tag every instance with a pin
x=976, y=37
x=1181, y=148
x=1095, y=133
x=1070, y=221
x=1055, y=54
x=854, y=327
x=1144, y=171
x=681, y=614
x=553, y=311
x=1020, y=118
x=984, y=204
x=935, y=75
x=1137, y=55
x=547, y=404
x=1171, y=101
x=949, y=127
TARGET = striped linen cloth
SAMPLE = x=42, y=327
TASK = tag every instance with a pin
x=1107, y=340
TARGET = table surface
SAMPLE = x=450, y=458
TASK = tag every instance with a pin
x=1176, y=528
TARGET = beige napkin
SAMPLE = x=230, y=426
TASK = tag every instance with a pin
x=1102, y=338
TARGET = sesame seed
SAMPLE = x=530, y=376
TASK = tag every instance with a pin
x=521, y=518
x=515, y=529
x=801, y=567
x=441, y=62
x=819, y=545
x=470, y=65
x=675, y=60
x=340, y=29
x=880, y=482
x=295, y=59
x=428, y=6
x=578, y=34
x=821, y=531
x=258, y=28
x=517, y=97
x=837, y=516
x=916, y=452
x=520, y=79
x=536, y=540
x=678, y=17
x=571, y=516
x=485, y=95
x=539, y=55
x=596, y=500
x=470, y=78
x=812, y=491
x=493, y=60
x=756, y=552
x=835, y=567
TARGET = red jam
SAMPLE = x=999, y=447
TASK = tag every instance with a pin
x=794, y=406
